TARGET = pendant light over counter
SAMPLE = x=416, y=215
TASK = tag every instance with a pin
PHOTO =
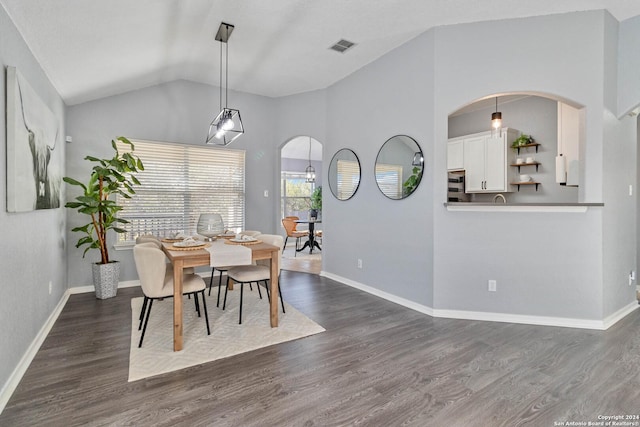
x=496, y=121
x=227, y=125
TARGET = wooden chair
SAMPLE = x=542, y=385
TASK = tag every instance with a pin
x=156, y=282
x=260, y=272
x=290, y=226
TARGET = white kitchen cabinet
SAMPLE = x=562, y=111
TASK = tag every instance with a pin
x=455, y=154
x=486, y=161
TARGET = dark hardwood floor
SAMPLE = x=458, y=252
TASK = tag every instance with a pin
x=378, y=364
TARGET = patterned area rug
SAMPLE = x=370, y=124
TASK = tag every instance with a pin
x=227, y=337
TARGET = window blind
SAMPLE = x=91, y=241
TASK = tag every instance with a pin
x=389, y=179
x=179, y=182
x=348, y=178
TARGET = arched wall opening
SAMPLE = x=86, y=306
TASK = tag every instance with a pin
x=533, y=173
x=296, y=155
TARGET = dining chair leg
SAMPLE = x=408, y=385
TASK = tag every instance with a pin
x=259, y=292
x=266, y=286
x=144, y=307
x=146, y=321
x=219, y=285
x=224, y=303
x=281, y=300
x=241, y=289
x=206, y=315
x=285, y=243
x=195, y=298
x=213, y=270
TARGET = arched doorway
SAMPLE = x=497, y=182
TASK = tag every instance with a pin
x=300, y=185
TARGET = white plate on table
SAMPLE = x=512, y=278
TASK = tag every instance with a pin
x=252, y=239
x=189, y=244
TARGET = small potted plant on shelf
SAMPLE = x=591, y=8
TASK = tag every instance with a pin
x=108, y=177
x=521, y=141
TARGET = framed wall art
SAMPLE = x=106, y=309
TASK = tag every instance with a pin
x=34, y=167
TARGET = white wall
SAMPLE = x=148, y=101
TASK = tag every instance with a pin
x=33, y=252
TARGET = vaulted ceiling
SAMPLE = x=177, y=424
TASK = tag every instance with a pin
x=95, y=48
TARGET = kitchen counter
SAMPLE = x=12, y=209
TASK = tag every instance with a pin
x=519, y=207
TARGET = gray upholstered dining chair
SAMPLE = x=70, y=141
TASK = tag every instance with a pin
x=156, y=281
x=149, y=238
x=260, y=272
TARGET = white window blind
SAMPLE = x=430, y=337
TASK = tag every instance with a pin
x=389, y=179
x=348, y=178
x=179, y=182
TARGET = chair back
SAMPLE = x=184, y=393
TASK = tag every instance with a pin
x=149, y=238
x=289, y=225
x=151, y=268
x=294, y=219
x=275, y=240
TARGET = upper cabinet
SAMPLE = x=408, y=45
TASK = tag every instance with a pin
x=455, y=154
x=485, y=159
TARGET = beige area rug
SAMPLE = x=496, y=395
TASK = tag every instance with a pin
x=227, y=337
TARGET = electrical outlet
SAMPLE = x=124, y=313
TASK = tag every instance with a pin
x=632, y=277
x=266, y=193
x=359, y=263
x=50, y=287
x=493, y=286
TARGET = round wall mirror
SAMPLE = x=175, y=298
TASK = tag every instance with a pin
x=399, y=167
x=344, y=174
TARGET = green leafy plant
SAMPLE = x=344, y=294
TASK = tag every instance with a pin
x=316, y=198
x=522, y=140
x=412, y=182
x=108, y=177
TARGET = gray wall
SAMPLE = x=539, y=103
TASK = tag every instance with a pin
x=391, y=96
x=33, y=252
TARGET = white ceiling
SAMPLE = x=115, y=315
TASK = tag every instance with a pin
x=96, y=48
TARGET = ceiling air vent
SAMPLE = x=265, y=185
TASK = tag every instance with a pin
x=342, y=46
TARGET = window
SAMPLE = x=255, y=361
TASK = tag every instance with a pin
x=296, y=194
x=389, y=179
x=179, y=182
x=348, y=178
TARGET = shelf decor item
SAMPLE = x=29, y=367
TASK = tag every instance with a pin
x=108, y=177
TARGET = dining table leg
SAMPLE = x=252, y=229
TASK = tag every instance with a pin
x=177, y=305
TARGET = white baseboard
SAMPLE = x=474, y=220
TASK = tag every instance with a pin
x=14, y=379
x=489, y=316
x=91, y=288
x=612, y=319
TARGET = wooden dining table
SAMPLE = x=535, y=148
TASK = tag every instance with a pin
x=195, y=258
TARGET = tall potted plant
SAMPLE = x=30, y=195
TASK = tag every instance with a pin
x=108, y=177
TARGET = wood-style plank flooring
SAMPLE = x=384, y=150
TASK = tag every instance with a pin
x=378, y=364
